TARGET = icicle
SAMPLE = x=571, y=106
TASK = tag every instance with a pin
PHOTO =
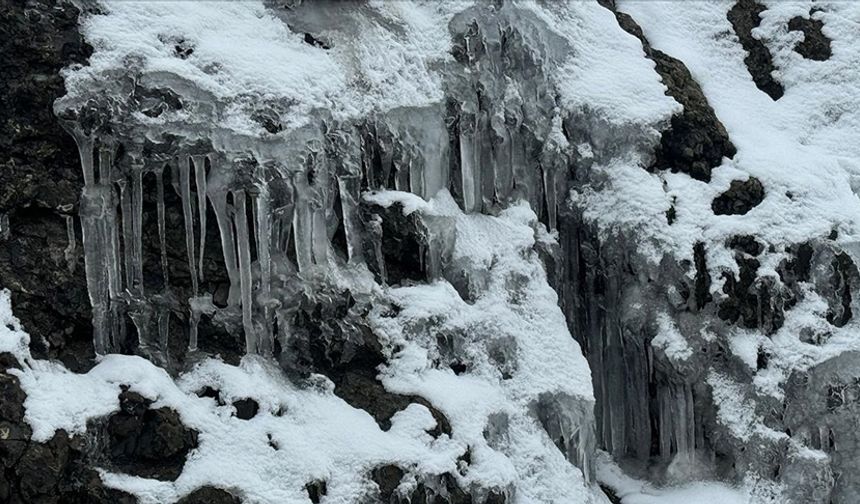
x=69, y=252
x=85, y=151
x=302, y=223
x=348, y=186
x=403, y=169
x=386, y=155
x=416, y=175
x=319, y=205
x=375, y=228
x=319, y=239
x=218, y=198
x=551, y=195
x=524, y=174
x=137, y=227
x=504, y=176
x=141, y=316
x=263, y=228
x=485, y=162
x=162, y=238
x=127, y=231
x=161, y=352
x=200, y=181
x=432, y=140
x=468, y=156
x=185, y=194
x=93, y=208
x=283, y=215
x=243, y=247
x=109, y=222
x=198, y=306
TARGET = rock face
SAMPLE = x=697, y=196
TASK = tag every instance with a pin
x=821, y=406
x=151, y=443
x=40, y=179
x=745, y=16
x=696, y=141
x=356, y=244
x=45, y=473
x=815, y=45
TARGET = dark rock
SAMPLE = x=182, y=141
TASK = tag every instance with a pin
x=739, y=198
x=246, y=409
x=151, y=443
x=702, y=286
x=744, y=16
x=209, y=495
x=40, y=177
x=610, y=494
x=387, y=478
x=402, y=244
x=8, y=361
x=815, y=44
x=42, y=467
x=696, y=140
x=11, y=399
x=844, y=279
x=747, y=244
x=364, y=391
x=93, y=491
x=316, y=490
x=213, y=393
x=311, y=40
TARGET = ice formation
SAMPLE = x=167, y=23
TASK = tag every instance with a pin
x=583, y=237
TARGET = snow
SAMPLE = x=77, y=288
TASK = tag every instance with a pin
x=522, y=317
x=381, y=57
x=804, y=147
x=513, y=335
x=633, y=491
x=670, y=340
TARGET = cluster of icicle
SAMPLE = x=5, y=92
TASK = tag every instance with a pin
x=488, y=148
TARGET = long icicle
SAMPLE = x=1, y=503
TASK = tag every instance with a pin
x=162, y=238
x=94, y=199
x=137, y=227
x=263, y=228
x=240, y=220
x=110, y=229
x=200, y=181
x=185, y=194
x=127, y=229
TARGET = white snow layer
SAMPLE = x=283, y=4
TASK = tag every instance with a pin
x=805, y=147
x=319, y=436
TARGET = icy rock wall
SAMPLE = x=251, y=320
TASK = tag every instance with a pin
x=295, y=200
x=280, y=199
x=682, y=297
